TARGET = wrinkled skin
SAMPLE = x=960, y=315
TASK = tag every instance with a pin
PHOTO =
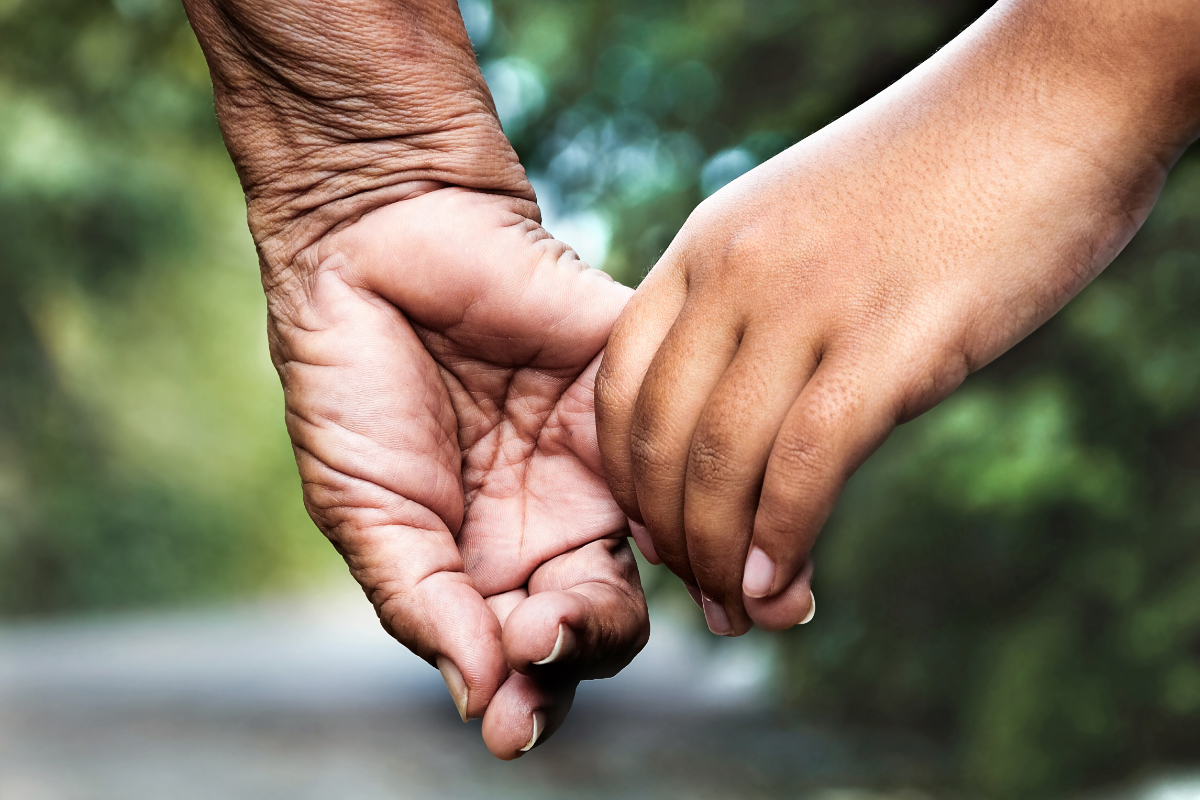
x=438, y=358
x=437, y=348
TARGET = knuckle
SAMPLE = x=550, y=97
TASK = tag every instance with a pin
x=645, y=450
x=614, y=396
x=741, y=256
x=780, y=515
x=712, y=245
x=745, y=247
x=711, y=571
x=709, y=464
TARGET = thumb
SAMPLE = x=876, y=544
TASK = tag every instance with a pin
x=481, y=270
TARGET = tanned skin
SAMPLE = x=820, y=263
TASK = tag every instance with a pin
x=852, y=282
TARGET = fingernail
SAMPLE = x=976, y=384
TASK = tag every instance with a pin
x=641, y=537
x=539, y=725
x=759, y=576
x=565, y=643
x=717, y=619
x=812, y=609
x=456, y=685
x=695, y=593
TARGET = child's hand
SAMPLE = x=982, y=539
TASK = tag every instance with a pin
x=854, y=281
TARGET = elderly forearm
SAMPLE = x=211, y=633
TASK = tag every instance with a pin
x=332, y=109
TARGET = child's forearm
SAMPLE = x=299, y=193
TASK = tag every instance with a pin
x=1097, y=68
x=1110, y=86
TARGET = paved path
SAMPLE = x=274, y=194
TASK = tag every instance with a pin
x=308, y=698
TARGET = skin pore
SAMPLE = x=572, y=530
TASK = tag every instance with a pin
x=853, y=282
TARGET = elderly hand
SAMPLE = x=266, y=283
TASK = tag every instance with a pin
x=437, y=348
x=438, y=358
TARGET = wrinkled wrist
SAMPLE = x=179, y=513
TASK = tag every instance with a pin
x=303, y=193
x=332, y=110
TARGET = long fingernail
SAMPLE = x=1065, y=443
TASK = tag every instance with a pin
x=564, y=644
x=539, y=725
x=695, y=593
x=456, y=685
x=717, y=619
x=812, y=609
x=759, y=576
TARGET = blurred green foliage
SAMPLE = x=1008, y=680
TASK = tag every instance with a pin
x=142, y=451
x=1017, y=572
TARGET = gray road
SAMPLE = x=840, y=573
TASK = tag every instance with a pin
x=308, y=698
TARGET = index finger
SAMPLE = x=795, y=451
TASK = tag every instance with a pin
x=634, y=341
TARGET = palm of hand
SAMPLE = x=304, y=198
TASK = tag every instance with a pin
x=532, y=485
x=438, y=361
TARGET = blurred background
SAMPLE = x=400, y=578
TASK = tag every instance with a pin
x=1010, y=589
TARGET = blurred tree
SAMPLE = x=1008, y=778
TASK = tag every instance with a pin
x=1017, y=573
x=142, y=454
